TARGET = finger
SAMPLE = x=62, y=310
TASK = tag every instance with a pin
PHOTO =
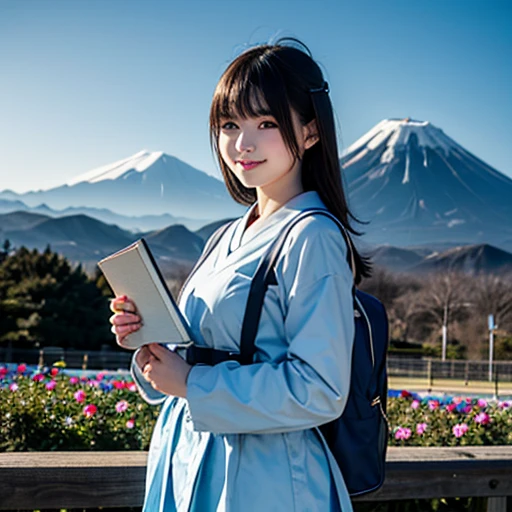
x=125, y=329
x=122, y=303
x=157, y=350
x=125, y=318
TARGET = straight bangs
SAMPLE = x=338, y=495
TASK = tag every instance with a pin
x=250, y=87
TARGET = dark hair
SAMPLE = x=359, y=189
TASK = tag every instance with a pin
x=269, y=79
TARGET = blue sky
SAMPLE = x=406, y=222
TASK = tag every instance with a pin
x=85, y=83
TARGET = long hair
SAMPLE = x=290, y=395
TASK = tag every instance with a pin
x=273, y=79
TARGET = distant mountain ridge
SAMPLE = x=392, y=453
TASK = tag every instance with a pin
x=86, y=240
x=147, y=183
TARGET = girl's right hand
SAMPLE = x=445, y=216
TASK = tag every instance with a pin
x=125, y=319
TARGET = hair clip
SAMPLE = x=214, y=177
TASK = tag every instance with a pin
x=324, y=88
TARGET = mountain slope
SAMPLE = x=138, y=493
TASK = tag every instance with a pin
x=417, y=185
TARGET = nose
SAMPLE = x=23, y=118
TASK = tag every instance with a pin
x=244, y=142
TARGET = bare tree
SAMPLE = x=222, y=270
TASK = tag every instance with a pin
x=444, y=297
x=492, y=294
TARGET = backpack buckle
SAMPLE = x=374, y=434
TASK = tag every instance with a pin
x=375, y=401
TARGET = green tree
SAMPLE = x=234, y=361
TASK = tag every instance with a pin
x=44, y=301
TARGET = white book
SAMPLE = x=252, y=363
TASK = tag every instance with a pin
x=133, y=271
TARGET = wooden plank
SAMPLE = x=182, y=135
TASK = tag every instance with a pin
x=71, y=479
x=33, y=480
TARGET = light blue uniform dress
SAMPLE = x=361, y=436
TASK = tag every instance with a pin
x=244, y=440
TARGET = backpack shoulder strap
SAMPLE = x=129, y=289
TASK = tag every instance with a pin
x=263, y=275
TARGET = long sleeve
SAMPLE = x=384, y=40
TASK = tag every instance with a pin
x=308, y=388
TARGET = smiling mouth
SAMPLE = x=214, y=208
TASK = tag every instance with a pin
x=249, y=164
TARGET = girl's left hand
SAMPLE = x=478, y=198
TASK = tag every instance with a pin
x=165, y=370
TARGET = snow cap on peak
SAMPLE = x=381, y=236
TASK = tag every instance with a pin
x=138, y=162
x=396, y=133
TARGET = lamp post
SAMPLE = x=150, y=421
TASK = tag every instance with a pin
x=492, y=327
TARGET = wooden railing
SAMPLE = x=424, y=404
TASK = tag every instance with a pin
x=116, y=479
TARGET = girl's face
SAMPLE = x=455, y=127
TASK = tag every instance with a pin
x=255, y=151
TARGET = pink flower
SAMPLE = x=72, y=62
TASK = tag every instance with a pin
x=482, y=418
x=451, y=407
x=50, y=386
x=415, y=404
x=100, y=375
x=121, y=406
x=94, y=383
x=130, y=423
x=90, y=410
x=83, y=378
x=132, y=386
x=504, y=405
x=467, y=409
x=3, y=372
x=119, y=384
x=38, y=377
x=13, y=386
x=73, y=380
x=482, y=403
x=433, y=405
x=457, y=400
x=403, y=433
x=80, y=395
x=420, y=428
x=54, y=371
x=22, y=368
x=460, y=429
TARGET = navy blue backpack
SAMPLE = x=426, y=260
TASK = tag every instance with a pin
x=358, y=439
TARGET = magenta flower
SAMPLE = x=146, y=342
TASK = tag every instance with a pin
x=73, y=380
x=482, y=403
x=100, y=376
x=460, y=429
x=420, y=428
x=94, y=383
x=90, y=410
x=3, y=372
x=130, y=423
x=482, y=418
x=80, y=395
x=50, y=386
x=13, y=386
x=457, y=400
x=22, y=368
x=119, y=384
x=121, y=406
x=467, y=409
x=403, y=433
x=504, y=405
x=38, y=377
x=54, y=371
x=132, y=386
x=415, y=404
x=433, y=405
x=451, y=407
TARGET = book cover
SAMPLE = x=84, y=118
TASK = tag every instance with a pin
x=133, y=271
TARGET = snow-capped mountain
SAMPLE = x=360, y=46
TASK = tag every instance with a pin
x=147, y=183
x=417, y=185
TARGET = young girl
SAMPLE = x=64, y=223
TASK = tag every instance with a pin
x=242, y=438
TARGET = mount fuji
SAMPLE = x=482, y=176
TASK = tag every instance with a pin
x=415, y=185
x=146, y=183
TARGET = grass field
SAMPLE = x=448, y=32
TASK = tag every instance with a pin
x=451, y=386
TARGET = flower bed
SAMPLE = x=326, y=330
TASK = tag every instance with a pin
x=56, y=409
